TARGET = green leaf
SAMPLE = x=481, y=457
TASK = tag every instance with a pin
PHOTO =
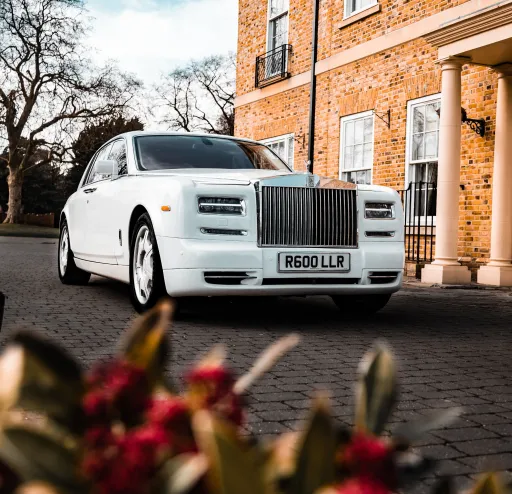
x=489, y=484
x=376, y=390
x=233, y=468
x=414, y=430
x=315, y=461
x=37, y=488
x=145, y=344
x=266, y=361
x=38, y=376
x=38, y=456
x=183, y=472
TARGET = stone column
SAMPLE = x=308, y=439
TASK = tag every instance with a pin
x=446, y=269
x=498, y=271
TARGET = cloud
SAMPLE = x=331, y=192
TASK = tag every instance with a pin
x=150, y=37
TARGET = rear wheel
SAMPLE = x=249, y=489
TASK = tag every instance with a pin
x=69, y=273
x=361, y=304
x=147, y=284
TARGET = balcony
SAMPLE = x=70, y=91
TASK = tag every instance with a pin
x=272, y=66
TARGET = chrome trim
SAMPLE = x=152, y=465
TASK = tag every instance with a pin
x=223, y=231
x=307, y=217
x=376, y=234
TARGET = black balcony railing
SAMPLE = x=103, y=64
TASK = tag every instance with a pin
x=272, y=66
x=419, y=200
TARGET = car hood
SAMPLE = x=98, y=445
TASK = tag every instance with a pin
x=218, y=176
x=247, y=177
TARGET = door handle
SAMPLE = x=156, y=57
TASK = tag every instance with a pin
x=90, y=191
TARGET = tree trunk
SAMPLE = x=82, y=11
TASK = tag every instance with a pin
x=15, y=185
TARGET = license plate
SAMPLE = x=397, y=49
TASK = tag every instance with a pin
x=310, y=262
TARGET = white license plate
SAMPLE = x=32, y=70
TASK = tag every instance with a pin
x=311, y=262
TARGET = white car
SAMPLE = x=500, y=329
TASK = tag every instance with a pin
x=206, y=215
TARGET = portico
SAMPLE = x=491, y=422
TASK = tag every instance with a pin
x=483, y=39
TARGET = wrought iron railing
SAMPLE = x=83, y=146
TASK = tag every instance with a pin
x=419, y=200
x=272, y=66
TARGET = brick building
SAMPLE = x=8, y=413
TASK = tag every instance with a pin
x=391, y=79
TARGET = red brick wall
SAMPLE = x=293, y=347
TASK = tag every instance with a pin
x=385, y=81
x=394, y=14
x=252, y=30
x=252, y=39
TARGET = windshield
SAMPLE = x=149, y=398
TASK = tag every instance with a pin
x=169, y=152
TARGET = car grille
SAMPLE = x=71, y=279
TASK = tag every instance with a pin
x=307, y=217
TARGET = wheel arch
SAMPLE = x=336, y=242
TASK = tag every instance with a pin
x=136, y=213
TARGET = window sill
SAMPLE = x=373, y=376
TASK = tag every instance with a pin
x=360, y=15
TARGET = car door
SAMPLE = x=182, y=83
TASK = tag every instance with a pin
x=86, y=193
x=79, y=208
x=104, y=215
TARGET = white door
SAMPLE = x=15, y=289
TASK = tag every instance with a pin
x=77, y=222
x=79, y=209
x=103, y=224
x=87, y=192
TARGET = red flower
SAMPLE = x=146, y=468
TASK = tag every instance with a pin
x=173, y=415
x=362, y=485
x=126, y=465
x=167, y=412
x=117, y=389
x=98, y=437
x=370, y=458
x=96, y=406
x=215, y=385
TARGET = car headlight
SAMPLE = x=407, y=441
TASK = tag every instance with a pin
x=379, y=211
x=221, y=205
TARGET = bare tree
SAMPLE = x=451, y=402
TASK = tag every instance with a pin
x=48, y=85
x=200, y=96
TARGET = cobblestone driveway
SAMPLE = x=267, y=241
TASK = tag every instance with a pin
x=454, y=348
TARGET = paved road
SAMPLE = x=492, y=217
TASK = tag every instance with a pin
x=454, y=348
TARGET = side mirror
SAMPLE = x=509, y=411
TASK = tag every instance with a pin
x=106, y=167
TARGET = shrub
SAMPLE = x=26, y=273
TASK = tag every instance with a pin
x=122, y=427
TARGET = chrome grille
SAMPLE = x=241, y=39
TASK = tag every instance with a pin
x=304, y=217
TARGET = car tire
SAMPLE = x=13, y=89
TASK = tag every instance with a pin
x=147, y=284
x=361, y=304
x=69, y=273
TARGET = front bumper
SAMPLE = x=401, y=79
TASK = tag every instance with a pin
x=187, y=264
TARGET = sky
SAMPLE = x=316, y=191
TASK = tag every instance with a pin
x=151, y=37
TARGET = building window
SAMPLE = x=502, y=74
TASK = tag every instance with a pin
x=277, y=24
x=356, y=153
x=353, y=7
x=422, y=153
x=282, y=146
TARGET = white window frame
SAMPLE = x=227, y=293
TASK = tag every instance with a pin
x=271, y=18
x=347, y=14
x=286, y=138
x=343, y=120
x=408, y=145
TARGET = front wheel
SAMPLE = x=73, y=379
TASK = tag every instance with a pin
x=146, y=277
x=361, y=304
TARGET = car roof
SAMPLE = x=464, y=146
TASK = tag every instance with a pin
x=136, y=133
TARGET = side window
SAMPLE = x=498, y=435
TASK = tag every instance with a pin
x=102, y=155
x=356, y=153
x=118, y=154
x=353, y=7
x=283, y=147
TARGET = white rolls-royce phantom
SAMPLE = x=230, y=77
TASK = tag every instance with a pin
x=205, y=215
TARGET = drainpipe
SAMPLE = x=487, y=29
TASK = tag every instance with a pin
x=312, y=95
